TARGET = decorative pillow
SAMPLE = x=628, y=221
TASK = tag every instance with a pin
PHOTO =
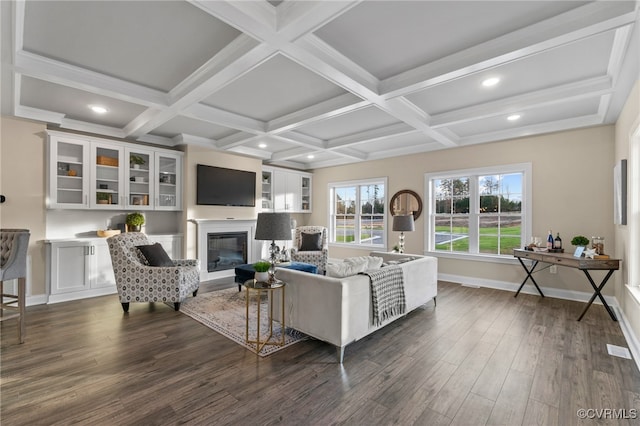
x=372, y=262
x=345, y=269
x=155, y=255
x=311, y=242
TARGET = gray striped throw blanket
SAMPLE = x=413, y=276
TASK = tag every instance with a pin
x=387, y=293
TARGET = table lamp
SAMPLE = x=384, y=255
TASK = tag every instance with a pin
x=403, y=223
x=273, y=226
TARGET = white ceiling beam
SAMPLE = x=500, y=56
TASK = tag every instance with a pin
x=535, y=129
x=220, y=117
x=57, y=72
x=298, y=18
x=291, y=153
x=236, y=139
x=596, y=86
x=351, y=153
x=371, y=135
x=151, y=119
x=534, y=39
x=330, y=108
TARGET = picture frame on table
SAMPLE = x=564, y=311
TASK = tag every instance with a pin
x=579, y=251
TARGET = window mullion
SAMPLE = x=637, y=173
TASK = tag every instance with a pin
x=474, y=217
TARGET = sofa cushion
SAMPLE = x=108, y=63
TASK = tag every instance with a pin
x=345, y=269
x=155, y=255
x=310, y=242
x=372, y=262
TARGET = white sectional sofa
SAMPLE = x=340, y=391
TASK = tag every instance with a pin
x=339, y=310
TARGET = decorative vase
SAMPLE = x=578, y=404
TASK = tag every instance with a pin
x=262, y=276
x=133, y=228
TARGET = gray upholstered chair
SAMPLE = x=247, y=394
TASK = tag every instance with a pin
x=13, y=265
x=301, y=252
x=139, y=282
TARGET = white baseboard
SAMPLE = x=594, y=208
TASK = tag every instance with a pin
x=579, y=296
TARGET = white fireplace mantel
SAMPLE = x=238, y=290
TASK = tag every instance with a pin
x=210, y=226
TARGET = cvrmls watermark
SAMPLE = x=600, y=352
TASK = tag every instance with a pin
x=607, y=413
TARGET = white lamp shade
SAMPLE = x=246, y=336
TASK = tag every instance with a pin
x=403, y=223
x=273, y=226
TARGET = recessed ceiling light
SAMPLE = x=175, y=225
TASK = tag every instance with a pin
x=98, y=109
x=262, y=145
x=310, y=156
x=513, y=117
x=491, y=82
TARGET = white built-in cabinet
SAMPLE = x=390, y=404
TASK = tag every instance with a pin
x=81, y=268
x=92, y=173
x=286, y=190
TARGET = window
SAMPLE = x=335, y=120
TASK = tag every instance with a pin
x=358, y=213
x=484, y=212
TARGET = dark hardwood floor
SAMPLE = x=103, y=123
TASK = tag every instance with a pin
x=480, y=357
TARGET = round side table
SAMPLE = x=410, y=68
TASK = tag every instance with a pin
x=258, y=288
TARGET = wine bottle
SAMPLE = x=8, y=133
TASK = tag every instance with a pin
x=557, y=243
x=550, y=241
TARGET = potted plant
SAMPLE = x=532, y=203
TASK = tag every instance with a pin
x=580, y=241
x=103, y=197
x=134, y=222
x=136, y=161
x=262, y=270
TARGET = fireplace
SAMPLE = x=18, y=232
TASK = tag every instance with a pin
x=226, y=250
x=232, y=242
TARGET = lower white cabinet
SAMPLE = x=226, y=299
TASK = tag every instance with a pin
x=81, y=268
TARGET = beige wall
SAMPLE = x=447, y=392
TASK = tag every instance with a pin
x=627, y=124
x=22, y=169
x=572, y=194
x=195, y=155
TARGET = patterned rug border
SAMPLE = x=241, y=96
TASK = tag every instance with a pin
x=187, y=307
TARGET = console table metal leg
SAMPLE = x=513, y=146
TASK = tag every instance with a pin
x=529, y=276
x=598, y=293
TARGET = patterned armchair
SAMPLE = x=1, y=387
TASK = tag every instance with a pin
x=138, y=282
x=318, y=255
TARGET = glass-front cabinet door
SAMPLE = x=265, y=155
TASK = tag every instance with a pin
x=139, y=178
x=108, y=177
x=168, y=184
x=69, y=173
x=267, y=190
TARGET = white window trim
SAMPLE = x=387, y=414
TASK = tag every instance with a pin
x=358, y=182
x=527, y=210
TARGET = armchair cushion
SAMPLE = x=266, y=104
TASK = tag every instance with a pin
x=311, y=242
x=155, y=255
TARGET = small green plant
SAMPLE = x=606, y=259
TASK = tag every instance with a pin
x=135, y=219
x=103, y=196
x=136, y=159
x=262, y=266
x=580, y=240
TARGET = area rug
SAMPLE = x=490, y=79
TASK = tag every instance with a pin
x=224, y=311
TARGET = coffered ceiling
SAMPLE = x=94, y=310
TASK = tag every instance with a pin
x=310, y=84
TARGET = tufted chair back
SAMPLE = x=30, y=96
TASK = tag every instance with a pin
x=13, y=253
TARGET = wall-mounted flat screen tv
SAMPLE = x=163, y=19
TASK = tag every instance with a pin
x=217, y=186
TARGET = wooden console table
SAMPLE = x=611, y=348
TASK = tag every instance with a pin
x=565, y=259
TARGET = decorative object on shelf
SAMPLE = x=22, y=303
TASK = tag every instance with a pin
x=590, y=253
x=597, y=243
x=103, y=197
x=580, y=240
x=136, y=161
x=72, y=172
x=106, y=233
x=405, y=202
x=134, y=222
x=403, y=223
x=262, y=270
x=106, y=161
x=273, y=226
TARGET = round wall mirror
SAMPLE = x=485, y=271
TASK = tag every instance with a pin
x=405, y=202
